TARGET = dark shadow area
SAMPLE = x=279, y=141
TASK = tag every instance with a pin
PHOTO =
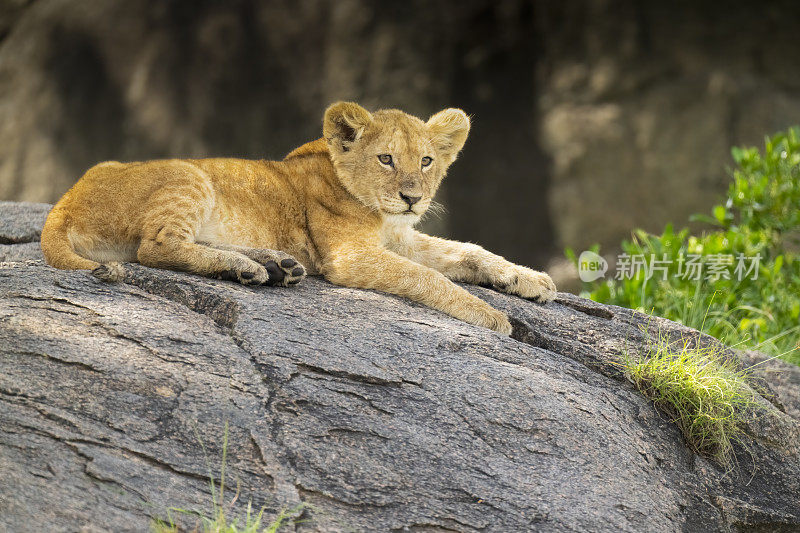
x=90, y=106
x=499, y=194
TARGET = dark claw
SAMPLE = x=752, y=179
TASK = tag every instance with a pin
x=248, y=275
x=298, y=271
x=294, y=281
x=288, y=263
x=276, y=275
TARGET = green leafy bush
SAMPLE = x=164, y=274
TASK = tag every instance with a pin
x=754, y=301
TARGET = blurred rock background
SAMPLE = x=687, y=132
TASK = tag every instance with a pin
x=591, y=117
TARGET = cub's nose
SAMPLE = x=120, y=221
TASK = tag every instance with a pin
x=410, y=200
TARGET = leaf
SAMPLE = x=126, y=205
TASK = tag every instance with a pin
x=719, y=213
x=701, y=217
x=776, y=268
x=570, y=253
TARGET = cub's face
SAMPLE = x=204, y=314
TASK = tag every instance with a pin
x=390, y=161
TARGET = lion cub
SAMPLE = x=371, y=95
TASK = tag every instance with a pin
x=344, y=206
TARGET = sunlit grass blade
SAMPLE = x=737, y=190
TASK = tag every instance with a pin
x=704, y=392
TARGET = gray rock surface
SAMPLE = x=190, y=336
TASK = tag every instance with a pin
x=381, y=414
x=22, y=222
x=783, y=379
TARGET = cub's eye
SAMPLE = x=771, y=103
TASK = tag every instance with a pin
x=386, y=159
x=426, y=161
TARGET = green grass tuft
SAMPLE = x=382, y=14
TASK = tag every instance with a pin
x=220, y=521
x=702, y=391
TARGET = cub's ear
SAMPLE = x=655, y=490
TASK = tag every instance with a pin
x=450, y=129
x=344, y=123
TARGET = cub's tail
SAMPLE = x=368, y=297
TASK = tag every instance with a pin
x=59, y=253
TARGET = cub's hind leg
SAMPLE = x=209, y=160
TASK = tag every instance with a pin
x=283, y=269
x=172, y=219
x=169, y=249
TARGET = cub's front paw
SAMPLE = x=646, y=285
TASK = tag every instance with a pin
x=486, y=316
x=247, y=274
x=500, y=323
x=527, y=283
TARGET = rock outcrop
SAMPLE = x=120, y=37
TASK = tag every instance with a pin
x=380, y=414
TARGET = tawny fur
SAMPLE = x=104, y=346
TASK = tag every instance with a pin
x=332, y=204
